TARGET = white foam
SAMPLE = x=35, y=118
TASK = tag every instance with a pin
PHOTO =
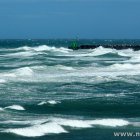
x=97, y=52
x=74, y=123
x=9, y=75
x=1, y=109
x=19, y=54
x=38, y=130
x=26, y=48
x=49, y=48
x=52, y=102
x=125, y=66
x=91, y=123
x=28, y=51
x=55, y=126
x=42, y=103
x=15, y=107
x=43, y=48
x=25, y=71
x=2, y=81
x=101, y=51
x=65, y=67
x=110, y=122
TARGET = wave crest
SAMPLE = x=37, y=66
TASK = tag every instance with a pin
x=38, y=130
x=15, y=107
x=55, y=126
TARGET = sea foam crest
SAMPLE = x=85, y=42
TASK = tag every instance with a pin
x=49, y=48
x=25, y=71
x=15, y=107
x=101, y=50
x=55, y=126
x=38, y=130
x=52, y=102
x=125, y=66
x=62, y=67
x=90, y=123
x=1, y=109
x=2, y=81
x=45, y=48
x=110, y=122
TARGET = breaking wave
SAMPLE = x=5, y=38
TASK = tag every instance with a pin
x=15, y=107
x=25, y=71
x=52, y=102
x=56, y=126
x=45, y=48
x=2, y=81
x=38, y=130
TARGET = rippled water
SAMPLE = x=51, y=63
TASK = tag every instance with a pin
x=52, y=92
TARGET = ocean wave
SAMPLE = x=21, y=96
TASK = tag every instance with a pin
x=2, y=81
x=56, y=126
x=15, y=107
x=61, y=73
x=21, y=54
x=27, y=51
x=62, y=67
x=52, y=102
x=90, y=123
x=110, y=122
x=125, y=66
x=101, y=51
x=1, y=109
x=49, y=48
x=124, y=53
x=38, y=130
x=25, y=71
x=45, y=48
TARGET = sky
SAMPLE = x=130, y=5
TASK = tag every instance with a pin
x=93, y=19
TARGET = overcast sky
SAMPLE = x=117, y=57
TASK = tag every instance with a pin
x=97, y=19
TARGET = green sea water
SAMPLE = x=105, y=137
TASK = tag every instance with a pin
x=49, y=92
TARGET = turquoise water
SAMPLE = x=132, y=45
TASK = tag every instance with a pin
x=48, y=91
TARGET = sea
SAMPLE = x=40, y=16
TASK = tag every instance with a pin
x=50, y=92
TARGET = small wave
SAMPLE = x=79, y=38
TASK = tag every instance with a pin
x=15, y=107
x=65, y=67
x=97, y=52
x=1, y=109
x=110, y=122
x=9, y=75
x=26, y=48
x=90, y=123
x=52, y=102
x=125, y=66
x=49, y=48
x=38, y=130
x=74, y=123
x=2, y=81
x=45, y=48
x=101, y=51
x=19, y=54
x=55, y=126
x=25, y=71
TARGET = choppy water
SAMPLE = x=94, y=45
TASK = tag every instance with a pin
x=50, y=92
